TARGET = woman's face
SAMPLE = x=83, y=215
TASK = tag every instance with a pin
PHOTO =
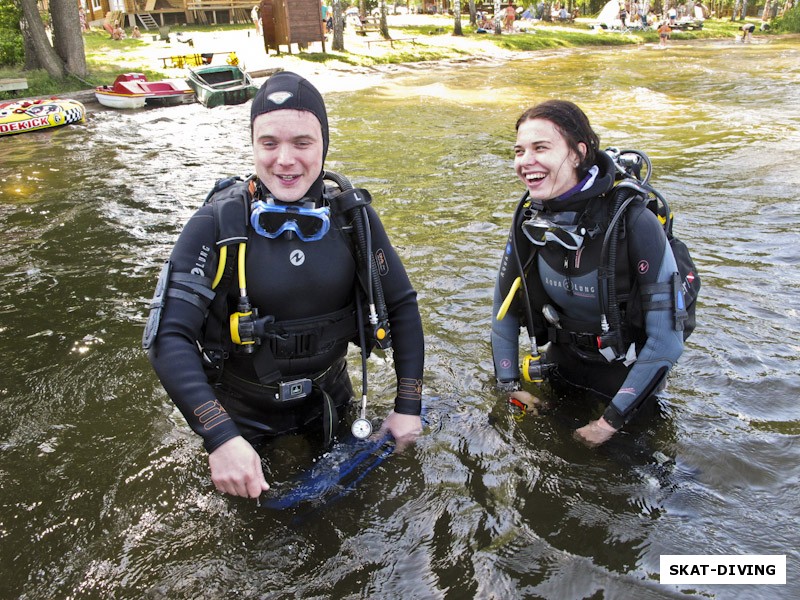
x=543, y=161
x=287, y=149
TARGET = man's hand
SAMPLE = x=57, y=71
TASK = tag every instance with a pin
x=404, y=429
x=595, y=433
x=236, y=469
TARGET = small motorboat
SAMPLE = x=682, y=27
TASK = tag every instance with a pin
x=133, y=90
x=222, y=84
x=20, y=116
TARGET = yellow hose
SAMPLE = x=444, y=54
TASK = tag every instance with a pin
x=242, y=280
x=509, y=298
x=223, y=256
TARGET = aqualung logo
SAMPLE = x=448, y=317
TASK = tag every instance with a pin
x=297, y=257
x=571, y=286
x=279, y=97
x=200, y=263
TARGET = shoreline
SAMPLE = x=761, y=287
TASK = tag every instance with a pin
x=335, y=75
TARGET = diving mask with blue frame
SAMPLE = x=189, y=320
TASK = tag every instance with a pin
x=562, y=228
x=271, y=220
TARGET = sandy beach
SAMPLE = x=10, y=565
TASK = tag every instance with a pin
x=333, y=75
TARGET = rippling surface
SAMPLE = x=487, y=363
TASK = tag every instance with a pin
x=106, y=492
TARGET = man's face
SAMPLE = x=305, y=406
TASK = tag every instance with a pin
x=287, y=150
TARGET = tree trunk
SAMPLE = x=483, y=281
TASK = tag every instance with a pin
x=384, y=27
x=473, y=19
x=737, y=8
x=457, y=18
x=498, y=18
x=37, y=42
x=338, y=27
x=67, y=37
x=31, y=60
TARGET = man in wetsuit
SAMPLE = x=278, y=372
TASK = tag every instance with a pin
x=300, y=271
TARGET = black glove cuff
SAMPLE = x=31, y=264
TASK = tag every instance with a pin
x=404, y=406
x=508, y=386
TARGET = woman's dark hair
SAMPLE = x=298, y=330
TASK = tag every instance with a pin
x=572, y=123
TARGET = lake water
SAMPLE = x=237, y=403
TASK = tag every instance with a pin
x=106, y=492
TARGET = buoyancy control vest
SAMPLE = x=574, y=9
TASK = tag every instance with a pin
x=238, y=328
x=622, y=300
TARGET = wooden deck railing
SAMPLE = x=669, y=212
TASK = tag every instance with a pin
x=219, y=4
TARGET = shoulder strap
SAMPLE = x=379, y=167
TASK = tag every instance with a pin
x=230, y=200
x=231, y=206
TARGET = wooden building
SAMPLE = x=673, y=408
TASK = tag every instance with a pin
x=287, y=22
x=152, y=14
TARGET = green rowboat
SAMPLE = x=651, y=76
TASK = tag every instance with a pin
x=221, y=84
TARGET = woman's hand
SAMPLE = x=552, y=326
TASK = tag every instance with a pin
x=405, y=429
x=595, y=433
x=236, y=469
x=526, y=401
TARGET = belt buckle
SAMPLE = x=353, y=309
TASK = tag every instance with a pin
x=294, y=389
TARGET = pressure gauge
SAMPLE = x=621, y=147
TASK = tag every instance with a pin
x=361, y=428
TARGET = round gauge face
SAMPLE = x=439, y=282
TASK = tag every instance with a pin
x=361, y=428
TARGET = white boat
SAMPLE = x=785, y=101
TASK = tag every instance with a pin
x=132, y=90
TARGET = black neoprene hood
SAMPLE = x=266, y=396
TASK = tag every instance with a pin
x=287, y=90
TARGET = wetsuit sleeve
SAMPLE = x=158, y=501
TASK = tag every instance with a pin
x=505, y=332
x=175, y=355
x=405, y=322
x=651, y=259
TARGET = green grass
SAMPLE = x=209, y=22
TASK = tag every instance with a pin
x=548, y=36
x=99, y=46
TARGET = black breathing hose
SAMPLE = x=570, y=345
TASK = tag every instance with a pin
x=609, y=309
x=523, y=283
x=364, y=245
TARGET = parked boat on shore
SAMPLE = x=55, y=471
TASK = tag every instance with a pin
x=133, y=90
x=222, y=84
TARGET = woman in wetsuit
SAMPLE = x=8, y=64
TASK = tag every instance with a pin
x=301, y=271
x=556, y=240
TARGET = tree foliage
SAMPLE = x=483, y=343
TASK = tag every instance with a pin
x=11, y=50
x=790, y=21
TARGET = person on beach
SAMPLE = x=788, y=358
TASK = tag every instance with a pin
x=255, y=17
x=550, y=278
x=118, y=33
x=664, y=32
x=509, y=18
x=254, y=346
x=747, y=32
